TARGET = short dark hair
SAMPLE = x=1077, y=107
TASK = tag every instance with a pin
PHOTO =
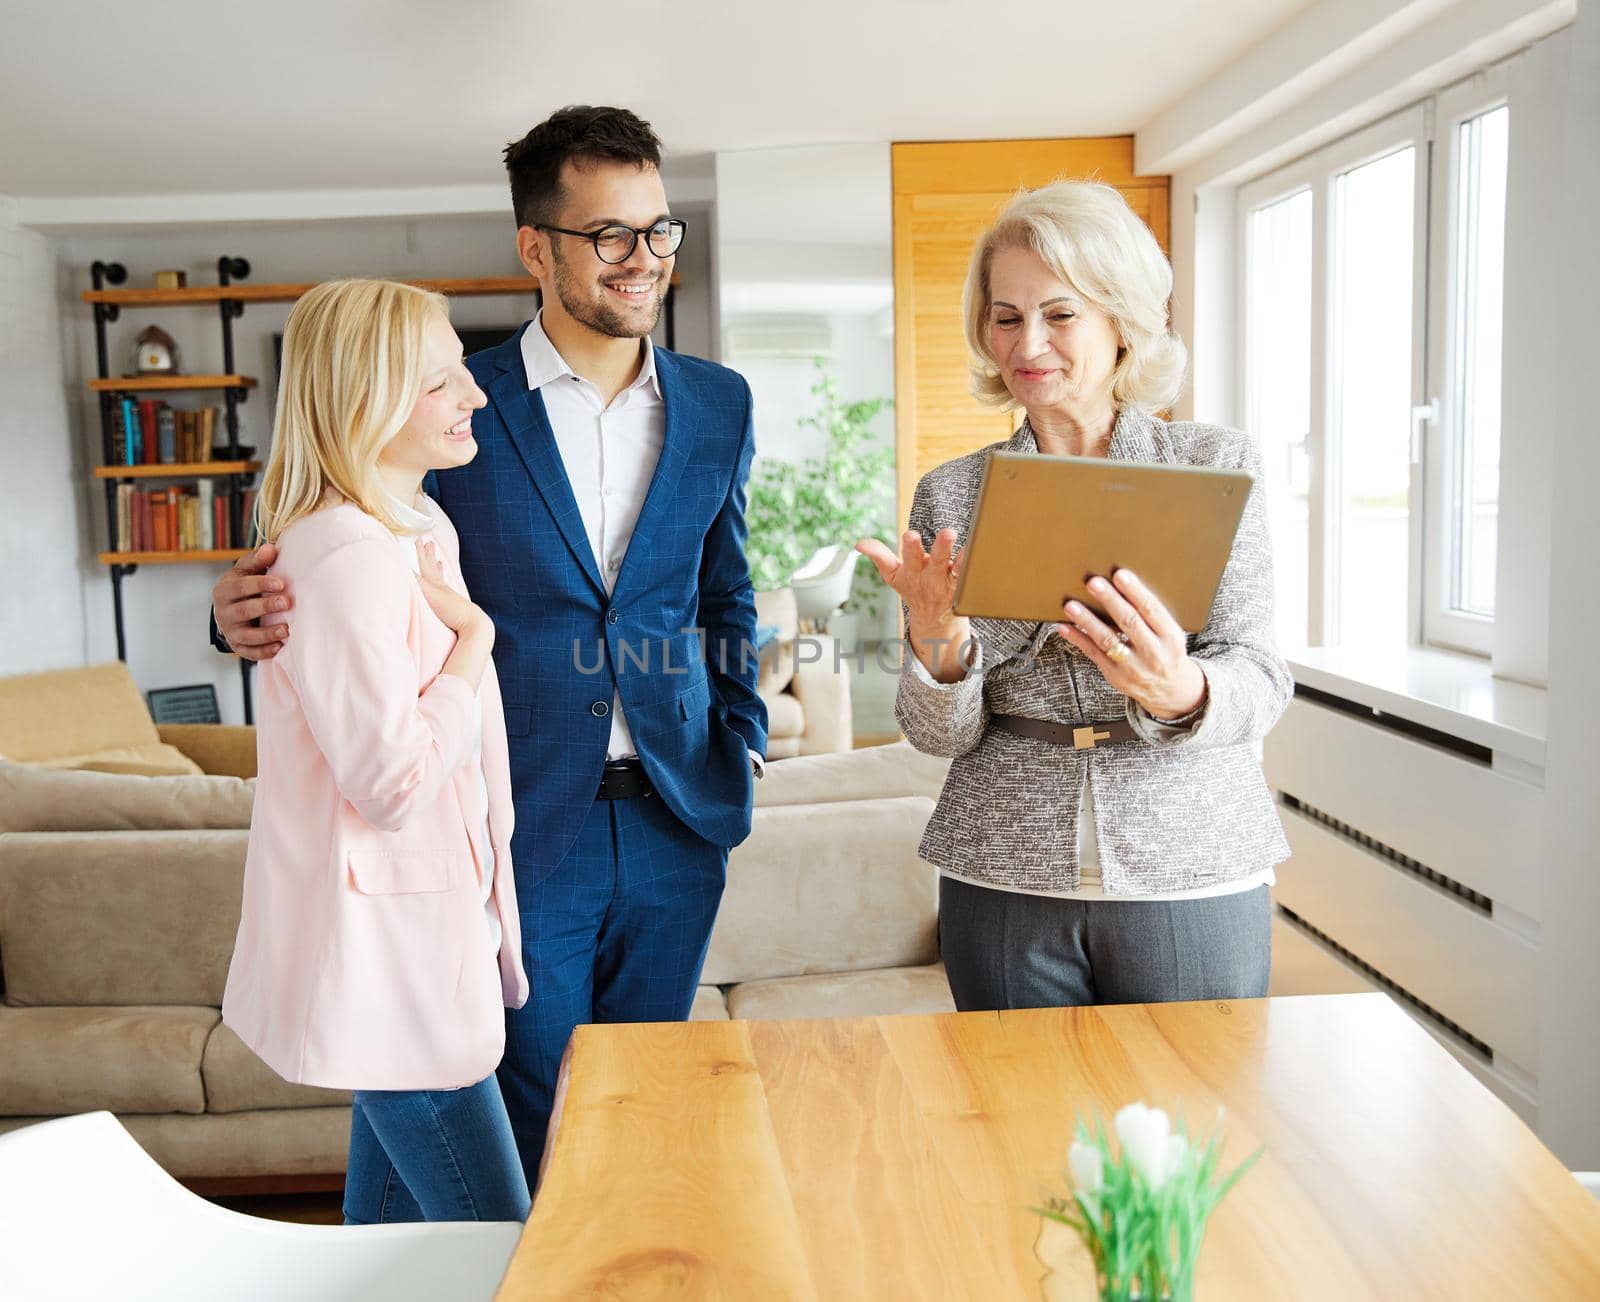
x=579, y=134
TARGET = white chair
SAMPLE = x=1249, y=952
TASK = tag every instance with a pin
x=86, y=1213
x=1590, y=1180
x=822, y=585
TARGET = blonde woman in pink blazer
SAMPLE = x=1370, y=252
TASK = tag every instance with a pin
x=378, y=942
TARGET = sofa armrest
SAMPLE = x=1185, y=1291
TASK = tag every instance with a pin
x=822, y=687
x=223, y=749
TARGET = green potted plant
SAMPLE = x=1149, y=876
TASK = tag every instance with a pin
x=844, y=494
x=1141, y=1212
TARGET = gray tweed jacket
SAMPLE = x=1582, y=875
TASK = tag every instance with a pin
x=1188, y=806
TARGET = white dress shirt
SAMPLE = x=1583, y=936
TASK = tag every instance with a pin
x=610, y=455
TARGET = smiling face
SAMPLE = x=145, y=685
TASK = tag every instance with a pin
x=1056, y=351
x=624, y=300
x=438, y=433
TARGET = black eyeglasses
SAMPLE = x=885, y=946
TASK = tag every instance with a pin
x=616, y=244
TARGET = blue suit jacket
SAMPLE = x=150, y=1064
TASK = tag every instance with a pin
x=563, y=648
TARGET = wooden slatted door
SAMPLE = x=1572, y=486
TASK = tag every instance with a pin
x=945, y=196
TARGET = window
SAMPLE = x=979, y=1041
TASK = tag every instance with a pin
x=1464, y=441
x=1371, y=390
x=1373, y=272
x=1278, y=401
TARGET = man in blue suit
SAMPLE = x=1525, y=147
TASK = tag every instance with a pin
x=602, y=529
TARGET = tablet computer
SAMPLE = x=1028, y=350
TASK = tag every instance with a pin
x=1045, y=524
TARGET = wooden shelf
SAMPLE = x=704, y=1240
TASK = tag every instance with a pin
x=170, y=383
x=172, y=558
x=209, y=295
x=191, y=470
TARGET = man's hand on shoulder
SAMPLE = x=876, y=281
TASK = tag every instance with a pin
x=246, y=602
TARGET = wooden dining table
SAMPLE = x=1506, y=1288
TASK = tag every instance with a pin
x=891, y=1158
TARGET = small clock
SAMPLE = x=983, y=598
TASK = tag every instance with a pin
x=155, y=353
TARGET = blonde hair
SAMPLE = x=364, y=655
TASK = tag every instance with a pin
x=352, y=369
x=1087, y=235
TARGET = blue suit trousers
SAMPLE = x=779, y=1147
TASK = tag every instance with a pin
x=617, y=933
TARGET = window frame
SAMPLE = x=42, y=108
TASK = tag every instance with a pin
x=1444, y=625
x=1318, y=171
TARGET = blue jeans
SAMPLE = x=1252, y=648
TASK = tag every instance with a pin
x=617, y=933
x=433, y=1155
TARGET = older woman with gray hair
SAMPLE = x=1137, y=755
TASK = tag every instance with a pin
x=1134, y=870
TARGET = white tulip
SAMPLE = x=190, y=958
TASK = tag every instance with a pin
x=1177, y=1145
x=1148, y=1142
x=1087, y=1166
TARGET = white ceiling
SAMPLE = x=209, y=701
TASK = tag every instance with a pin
x=220, y=96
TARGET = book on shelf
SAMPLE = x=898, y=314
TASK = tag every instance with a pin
x=149, y=437
x=206, y=523
x=166, y=434
x=247, y=519
x=147, y=432
x=197, y=517
x=133, y=442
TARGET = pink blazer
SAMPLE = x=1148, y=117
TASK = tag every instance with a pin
x=363, y=959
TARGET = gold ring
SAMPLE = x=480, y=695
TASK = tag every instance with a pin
x=1117, y=652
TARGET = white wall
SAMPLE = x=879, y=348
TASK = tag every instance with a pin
x=1569, y=1068
x=1534, y=363
x=166, y=606
x=44, y=551
x=862, y=360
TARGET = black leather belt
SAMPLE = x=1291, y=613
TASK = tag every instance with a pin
x=622, y=780
x=1080, y=736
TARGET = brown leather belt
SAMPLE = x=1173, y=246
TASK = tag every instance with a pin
x=623, y=779
x=1080, y=736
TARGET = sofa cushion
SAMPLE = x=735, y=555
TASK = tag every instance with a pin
x=59, y=1061
x=845, y=994
x=35, y=799
x=827, y=888
x=119, y=917
x=897, y=770
x=226, y=749
x=238, y=1081
x=279, y=1141
x=155, y=760
x=785, y=717
x=776, y=609
x=709, y=1005
x=72, y=712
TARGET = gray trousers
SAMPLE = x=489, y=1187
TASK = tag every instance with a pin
x=1003, y=949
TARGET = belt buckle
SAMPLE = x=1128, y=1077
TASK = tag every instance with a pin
x=1086, y=737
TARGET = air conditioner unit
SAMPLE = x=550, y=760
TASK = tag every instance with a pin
x=787, y=337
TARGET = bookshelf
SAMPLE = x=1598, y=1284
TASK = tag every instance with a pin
x=209, y=295
x=214, y=295
x=169, y=383
x=228, y=554
x=178, y=470
x=231, y=472
x=229, y=299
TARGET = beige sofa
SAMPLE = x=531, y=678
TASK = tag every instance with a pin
x=806, y=690
x=94, y=718
x=117, y=916
x=119, y=899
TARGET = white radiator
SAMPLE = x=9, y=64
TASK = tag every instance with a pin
x=1421, y=863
